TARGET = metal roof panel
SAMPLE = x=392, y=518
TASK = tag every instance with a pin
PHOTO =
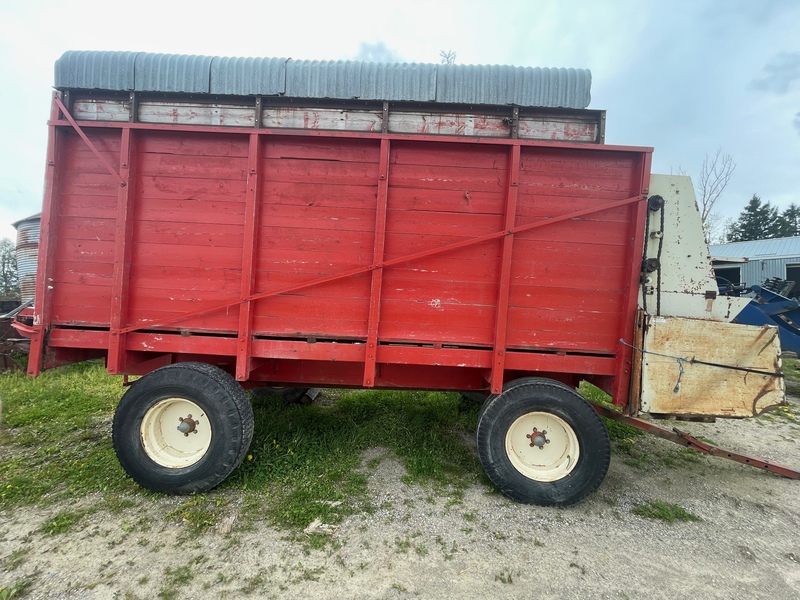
x=755, y=249
x=172, y=73
x=95, y=70
x=522, y=86
x=248, y=76
x=413, y=82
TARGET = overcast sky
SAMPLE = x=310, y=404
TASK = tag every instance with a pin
x=684, y=76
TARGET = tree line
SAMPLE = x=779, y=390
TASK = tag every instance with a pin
x=761, y=221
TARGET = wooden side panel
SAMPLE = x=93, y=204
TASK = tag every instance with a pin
x=84, y=255
x=568, y=285
x=317, y=218
x=440, y=194
x=316, y=215
x=188, y=228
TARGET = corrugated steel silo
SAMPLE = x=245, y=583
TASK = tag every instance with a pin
x=28, y=254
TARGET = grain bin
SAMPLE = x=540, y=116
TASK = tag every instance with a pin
x=27, y=254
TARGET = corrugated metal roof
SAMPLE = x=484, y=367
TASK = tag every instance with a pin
x=248, y=76
x=172, y=73
x=522, y=86
x=775, y=248
x=463, y=84
x=95, y=70
x=413, y=82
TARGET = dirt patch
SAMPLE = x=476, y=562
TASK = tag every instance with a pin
x=415, y=542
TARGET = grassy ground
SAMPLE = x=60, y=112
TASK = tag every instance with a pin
x=304, y=462
x=56, y=444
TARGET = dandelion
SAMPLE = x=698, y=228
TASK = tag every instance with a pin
x=249, y=457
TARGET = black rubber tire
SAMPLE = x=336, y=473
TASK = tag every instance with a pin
x=289, y=395
x=224, y=403
x=531, y=394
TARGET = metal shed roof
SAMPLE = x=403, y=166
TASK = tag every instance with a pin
x=775, y=248
x=415, y=82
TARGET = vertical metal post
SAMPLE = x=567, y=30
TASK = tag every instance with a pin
x=259, y=108
x=43, y=297
x=133, y=117
x=123, y=242
x=624, y=358
x=504, y=290
x=244, y=351
x=377, y=273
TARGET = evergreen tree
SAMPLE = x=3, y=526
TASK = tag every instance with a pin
x=758, y=221
x=789, y=222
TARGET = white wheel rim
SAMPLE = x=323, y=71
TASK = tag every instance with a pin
x=555, y=450
x=165, y=443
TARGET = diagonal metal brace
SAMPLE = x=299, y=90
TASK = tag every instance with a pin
x=87, y=141
x=684, y=439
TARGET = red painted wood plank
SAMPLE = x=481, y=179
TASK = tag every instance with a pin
x=442, y=154
x=446, y=201
x=540, y=205
x=83, y=273
x=463, y=225
x=194, y=167
x=355, y=150
x=211, y=212
x=320, y=171
x=194, y=144
x=318, y=194
x=318, y=217
x=297, y=350
x=577, y=231
x=85, y=250
x=217, y=322
x=188, y=188
x=447, y=178
x=216, y=235
x=302, y=326
x=191, y=277
x=168, y=255
x=87, y=228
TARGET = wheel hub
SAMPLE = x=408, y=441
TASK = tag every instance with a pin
x=542, y=446
x=537, y=438
x=170, y=446
x=188, y=425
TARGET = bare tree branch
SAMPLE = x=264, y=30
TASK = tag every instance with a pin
x=714, y=178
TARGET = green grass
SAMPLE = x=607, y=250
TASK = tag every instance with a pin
x=664, y=511
x=309, y=457
x=56, y=435
x=303, y=461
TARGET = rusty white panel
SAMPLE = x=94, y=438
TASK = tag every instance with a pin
x=101, y=110
x=710, y=390
x=448, y=124
x=229, y=115
x=688, y=287
x=321, y=118
x=562, y=131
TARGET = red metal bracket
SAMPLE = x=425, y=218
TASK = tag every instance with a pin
x=684, y=439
